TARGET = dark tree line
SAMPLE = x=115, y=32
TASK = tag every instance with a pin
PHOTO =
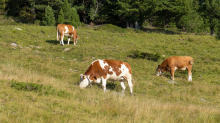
x=188, y=15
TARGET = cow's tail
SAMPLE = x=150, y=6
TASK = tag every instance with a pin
x=191, y=61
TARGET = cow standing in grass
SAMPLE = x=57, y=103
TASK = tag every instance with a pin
x=66, y=30
x=103, y=70
x=176, y=62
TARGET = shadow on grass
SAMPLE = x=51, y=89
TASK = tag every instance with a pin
x=55, y=42
x=178, y=74
x=109, y=85
x=144, y=55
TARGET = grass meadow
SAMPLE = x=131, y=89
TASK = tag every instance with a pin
x=39, y=80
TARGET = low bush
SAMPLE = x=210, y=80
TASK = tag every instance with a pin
x=144, y=55
x=41, y=89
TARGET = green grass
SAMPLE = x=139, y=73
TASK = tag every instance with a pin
x=41, y=63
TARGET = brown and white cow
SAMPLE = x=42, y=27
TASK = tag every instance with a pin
x=176, y=62
x=103, y=70
x=66, y=30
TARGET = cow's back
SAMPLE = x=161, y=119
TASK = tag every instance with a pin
x=104, y=68
x=178, y=61
x=65, y=28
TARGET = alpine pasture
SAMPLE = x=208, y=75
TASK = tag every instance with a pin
x=40, y=78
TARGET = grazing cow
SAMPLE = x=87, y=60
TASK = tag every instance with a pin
x=176, y=62
x=66, y=30
x=103, y=70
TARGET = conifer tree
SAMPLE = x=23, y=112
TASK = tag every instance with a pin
x=210, y=10
x=49, y=17
x=75, y=16
x=67, y=11
x=191, y=22
x=2, y=5
x=60, y=19
x=72, y=18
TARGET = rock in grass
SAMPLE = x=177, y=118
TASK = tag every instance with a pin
x=66, y=49
x=14, y=44
x=18, y=28
x=172, y=82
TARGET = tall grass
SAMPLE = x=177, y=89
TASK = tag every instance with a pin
x=40, y=60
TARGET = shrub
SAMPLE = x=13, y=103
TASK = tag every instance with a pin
x=37, y=22
x=144, y=55
x=41, y=89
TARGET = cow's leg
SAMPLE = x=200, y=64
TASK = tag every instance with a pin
x=189, y=68
x=104, y=84
x=74, y=40
x=130, y=86
x=123, y=86
x=60, y=38
x=172, y=72
x=61, y=42
x=58, y=35
x=68, y=40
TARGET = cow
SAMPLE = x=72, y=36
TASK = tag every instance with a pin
x=66, y=30
x=170, y=64
x=103, y=70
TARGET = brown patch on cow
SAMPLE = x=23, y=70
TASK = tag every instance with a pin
x=115, y=65
x=128, y=66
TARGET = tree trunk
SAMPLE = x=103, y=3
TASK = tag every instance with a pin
x=212, y=31
x=127, y=24
x=136, y=24
x=131, y=25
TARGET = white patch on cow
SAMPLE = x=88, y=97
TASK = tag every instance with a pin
x=61, y=41
x=73, y=28
x=175, y=68
x=68, y=41
x=183, y=68
x=67, y=30
x=180, y=68
x=98, y=80
x=66, y=33
x=83, y=81
x=123, y=86
x=102, y=64
x=190, y=78
x=158, y=73
x=111, y=70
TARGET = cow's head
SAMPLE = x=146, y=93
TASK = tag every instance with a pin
x=159, y=71
x=84, y=81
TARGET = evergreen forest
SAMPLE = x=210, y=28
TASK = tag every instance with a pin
x=185, y=15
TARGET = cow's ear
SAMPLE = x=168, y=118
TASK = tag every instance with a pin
x=158, y=66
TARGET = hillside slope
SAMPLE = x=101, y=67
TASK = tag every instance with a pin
x=38, y=58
